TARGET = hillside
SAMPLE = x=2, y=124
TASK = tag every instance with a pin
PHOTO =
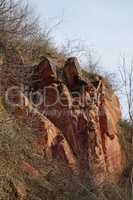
x=75, y=130
x=62, y=136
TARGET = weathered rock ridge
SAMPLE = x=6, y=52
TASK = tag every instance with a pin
x=81, y=120
x=76, y=120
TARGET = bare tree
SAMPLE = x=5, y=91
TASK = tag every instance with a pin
x=86, y=54
x=16, y=18
x=126, y=75
x=92, y=61
x=73, y=47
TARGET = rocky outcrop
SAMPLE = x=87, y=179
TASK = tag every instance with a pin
x=75, y=120
x=49, y=142
x=86, y=114
x=71, y=72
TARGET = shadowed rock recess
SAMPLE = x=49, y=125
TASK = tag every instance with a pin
x=76, y=121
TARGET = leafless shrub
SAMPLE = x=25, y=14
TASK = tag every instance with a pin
x=16, y=19
x=126, y=75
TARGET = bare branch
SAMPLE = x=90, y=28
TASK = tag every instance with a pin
x=126, y=75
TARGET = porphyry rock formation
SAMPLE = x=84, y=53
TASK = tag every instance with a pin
x=75, y=120
x=86, y=113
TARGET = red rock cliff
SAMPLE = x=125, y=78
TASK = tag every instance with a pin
x=87, y=114
x=78, y=120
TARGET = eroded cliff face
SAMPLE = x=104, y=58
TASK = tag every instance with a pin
x=81, y=120
x=75, y=120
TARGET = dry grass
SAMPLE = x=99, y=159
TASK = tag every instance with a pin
x=55, y=181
